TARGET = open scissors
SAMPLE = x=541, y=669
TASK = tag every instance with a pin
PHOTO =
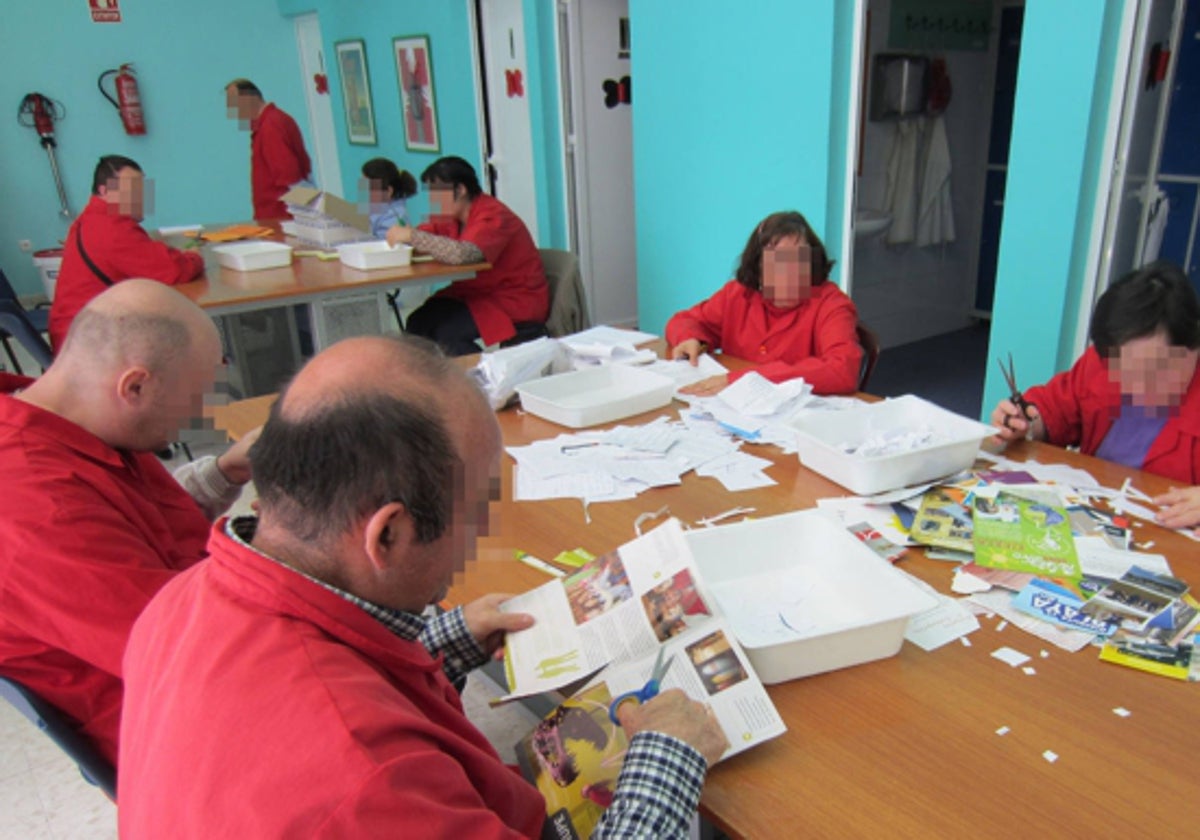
x=1010, y=376
x=647, y=692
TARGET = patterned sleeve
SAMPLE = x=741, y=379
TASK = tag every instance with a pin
x=447, y=634
x=205, y=483
x=658, y=790
x=446, y=250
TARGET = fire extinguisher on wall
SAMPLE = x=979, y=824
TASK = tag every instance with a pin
x=128, y=101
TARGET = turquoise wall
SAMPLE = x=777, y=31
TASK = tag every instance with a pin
x=447, y=24
x=1067, y=51
x=198, y=159
x=731, y=122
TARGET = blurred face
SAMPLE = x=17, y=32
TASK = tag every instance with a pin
x=240, y=107
x=787, y=272
x=446, y=201
x=1151, y=372
x=377, y=192
x=179, y=395
x=126, y=194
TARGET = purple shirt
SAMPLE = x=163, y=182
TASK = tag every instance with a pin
x=1132, y=435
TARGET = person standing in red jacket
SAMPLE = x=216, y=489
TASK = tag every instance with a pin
x=1133, y=397
x=107, y=244
x=779, y=312
x=468, y=226
x=278, y=159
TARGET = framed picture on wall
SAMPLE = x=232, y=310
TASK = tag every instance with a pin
x=356, y=92
x=415, y=72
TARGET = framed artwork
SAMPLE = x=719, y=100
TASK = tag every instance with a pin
x=356, y=92
x=415, y=72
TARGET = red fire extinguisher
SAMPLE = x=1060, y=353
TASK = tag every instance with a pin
x=128, y=102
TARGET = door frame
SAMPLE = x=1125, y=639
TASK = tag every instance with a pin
x=321, y=128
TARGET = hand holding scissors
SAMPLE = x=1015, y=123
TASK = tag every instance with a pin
x=1027, y=411
x=647, y=692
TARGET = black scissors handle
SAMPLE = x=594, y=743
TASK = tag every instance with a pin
x=1010, y=376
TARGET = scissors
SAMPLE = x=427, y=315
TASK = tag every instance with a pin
x=647, y=692
x=1010, y=376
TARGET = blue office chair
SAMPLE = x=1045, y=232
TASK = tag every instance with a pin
x=95, y=768
x=26, y=326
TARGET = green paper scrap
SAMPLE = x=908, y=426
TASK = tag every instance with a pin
x=576, y=558
x=1022, y=535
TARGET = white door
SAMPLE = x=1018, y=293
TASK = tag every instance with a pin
x=507, y=86
x=320, y=111
x=598, y=111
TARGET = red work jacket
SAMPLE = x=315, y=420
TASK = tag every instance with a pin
x=278, y=159
x=815, y=340
x=1079, y=406
x=89, y=534
x=514, y=289
x=260, y=704
x=120, y=248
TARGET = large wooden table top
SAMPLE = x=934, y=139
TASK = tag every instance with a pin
x=222, y=290
x=906, y=746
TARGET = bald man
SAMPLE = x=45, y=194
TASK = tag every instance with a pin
x=326, y=700
x=92, y=524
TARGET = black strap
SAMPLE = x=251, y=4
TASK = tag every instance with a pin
x=100, y=275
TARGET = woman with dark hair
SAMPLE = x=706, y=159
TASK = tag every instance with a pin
x=779, y=312
x=389, y=188
x=1134, y=396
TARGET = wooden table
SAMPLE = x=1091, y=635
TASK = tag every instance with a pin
x=906, y=746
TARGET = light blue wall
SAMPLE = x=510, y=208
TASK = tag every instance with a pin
x=183, y=57
x=1067, y=50
x=731, y=122
x=447, y=24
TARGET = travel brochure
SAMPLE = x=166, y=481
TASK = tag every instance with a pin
x=606, y=623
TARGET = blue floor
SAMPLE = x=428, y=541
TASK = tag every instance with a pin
x=947, y=369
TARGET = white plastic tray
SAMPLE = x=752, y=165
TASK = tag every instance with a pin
x=253, y=256
x=595, y=395
x=847, y=605
x=371, y=255
x=821, y=436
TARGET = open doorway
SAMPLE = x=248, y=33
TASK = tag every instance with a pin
x=933, y=155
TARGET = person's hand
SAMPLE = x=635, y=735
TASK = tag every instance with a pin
x=689, y=349
x=399, y=235
x=488, y=625
x=1015, y=426
x=674, y=713
x=1179, y=508
x=234, y=462
x=707, y=387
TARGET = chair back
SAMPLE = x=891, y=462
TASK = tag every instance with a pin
x=96, y=769
x=15, y=322
x=870, y=345
x=568, y=301
x=7, y=292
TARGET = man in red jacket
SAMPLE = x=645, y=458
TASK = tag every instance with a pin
x=278, y=159
x=289, y=687
x=468, y=226
x=92, y=524
x=107, y=244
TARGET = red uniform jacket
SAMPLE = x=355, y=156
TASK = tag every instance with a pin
x=260, y=704
x=278, y=159
x=88, y=535
x=1079, y=406
x=121, y=249
x=514, y=289
x=815, y=340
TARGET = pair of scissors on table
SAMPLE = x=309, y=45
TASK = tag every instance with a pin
x=1010, y=376
x=647, y=692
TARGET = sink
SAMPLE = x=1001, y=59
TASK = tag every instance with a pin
x=869, y=223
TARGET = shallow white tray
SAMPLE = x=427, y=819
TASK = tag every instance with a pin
x=371, y=255
x=844, y=604
x=253, y=256
x=595, y=395
x=821, y=436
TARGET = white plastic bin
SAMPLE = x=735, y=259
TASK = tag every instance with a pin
x=253, y=256
x=48, y=262
x=368, y=256
x=595, y=395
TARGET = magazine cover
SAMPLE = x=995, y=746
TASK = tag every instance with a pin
x=1023, y=535
x=944, y=519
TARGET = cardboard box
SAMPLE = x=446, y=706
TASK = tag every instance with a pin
x=803, y=595
x=324, y=219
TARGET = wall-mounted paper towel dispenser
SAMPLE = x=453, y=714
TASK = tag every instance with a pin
x=898, y=86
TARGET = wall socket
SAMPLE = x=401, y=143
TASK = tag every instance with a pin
x=25, y=245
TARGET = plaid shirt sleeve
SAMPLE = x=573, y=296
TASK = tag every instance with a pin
x=204, y=482
x=658, y=789
x=447, y=634
x=446, y=250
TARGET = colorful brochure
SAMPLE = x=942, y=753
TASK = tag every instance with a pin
x=1023, y=535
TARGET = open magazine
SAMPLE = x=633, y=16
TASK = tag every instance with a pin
x=618, y=611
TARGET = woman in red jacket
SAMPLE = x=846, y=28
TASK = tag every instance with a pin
x=1134, y=395
x=779, y=312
